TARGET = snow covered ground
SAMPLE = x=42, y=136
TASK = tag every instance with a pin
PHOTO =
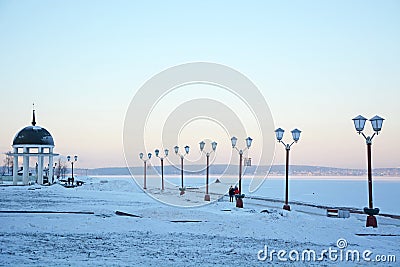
x=165, y=235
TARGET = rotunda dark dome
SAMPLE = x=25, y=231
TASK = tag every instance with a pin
x=33, y=135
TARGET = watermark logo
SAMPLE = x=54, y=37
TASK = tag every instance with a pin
x=341, y=243
x=340, y=253
x=194, y=102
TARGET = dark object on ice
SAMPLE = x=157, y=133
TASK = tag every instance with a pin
x=186, y=221
x=265, y=211
x=79, y=183
x=46, y=212
x=225, y=210
x=371, y=212
x=120, y=213
x=377, y=235
x=217, y=181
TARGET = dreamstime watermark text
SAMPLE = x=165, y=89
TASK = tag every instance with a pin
x=340, y=253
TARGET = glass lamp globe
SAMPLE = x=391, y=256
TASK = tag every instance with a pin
x=296, y=134
x=279, y=133
x=202, y=144
x=249, y=140
x=214, y=145
x=233, y=141
x=359, y=123
x=377, y=123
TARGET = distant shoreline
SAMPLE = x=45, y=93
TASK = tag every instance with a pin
x=247, y=177
x=295, y=171
x=218, y=169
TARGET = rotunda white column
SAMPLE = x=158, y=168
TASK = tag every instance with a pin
x=25, y=176
x=40, y=166
x=15, y=167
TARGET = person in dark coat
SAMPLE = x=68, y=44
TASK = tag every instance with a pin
x=231, y=193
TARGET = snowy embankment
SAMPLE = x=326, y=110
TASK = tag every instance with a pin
x=219, y=233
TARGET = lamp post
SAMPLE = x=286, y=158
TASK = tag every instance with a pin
x=296, y=136
x=54, y=171
x=141, y=156
x=239, y=200
x=214, y=147
x=157, y=152
x=359, y=123
x=182, y=156
x=72, y=167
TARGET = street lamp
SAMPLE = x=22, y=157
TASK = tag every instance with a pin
x=359, y=123
x=141, y=156
x=239, y=200
x=72, y=168
x=214, y=147
x=54, y=171
x=157, y=152
x=296, y=136
x=182, y=156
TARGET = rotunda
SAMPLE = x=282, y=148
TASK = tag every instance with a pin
x=33, y=141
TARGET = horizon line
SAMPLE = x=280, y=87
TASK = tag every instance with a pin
x=303, y=165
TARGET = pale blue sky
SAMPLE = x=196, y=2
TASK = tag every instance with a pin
x=318, y=64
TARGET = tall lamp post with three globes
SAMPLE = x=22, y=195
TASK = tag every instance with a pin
x=359, y=123
x=214, y=147
x=296, y=136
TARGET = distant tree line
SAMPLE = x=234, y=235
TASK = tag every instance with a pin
x=7, y=168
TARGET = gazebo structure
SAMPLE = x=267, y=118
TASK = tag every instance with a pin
x=33, y=141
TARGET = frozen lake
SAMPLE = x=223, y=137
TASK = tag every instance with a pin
x=329, y=191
